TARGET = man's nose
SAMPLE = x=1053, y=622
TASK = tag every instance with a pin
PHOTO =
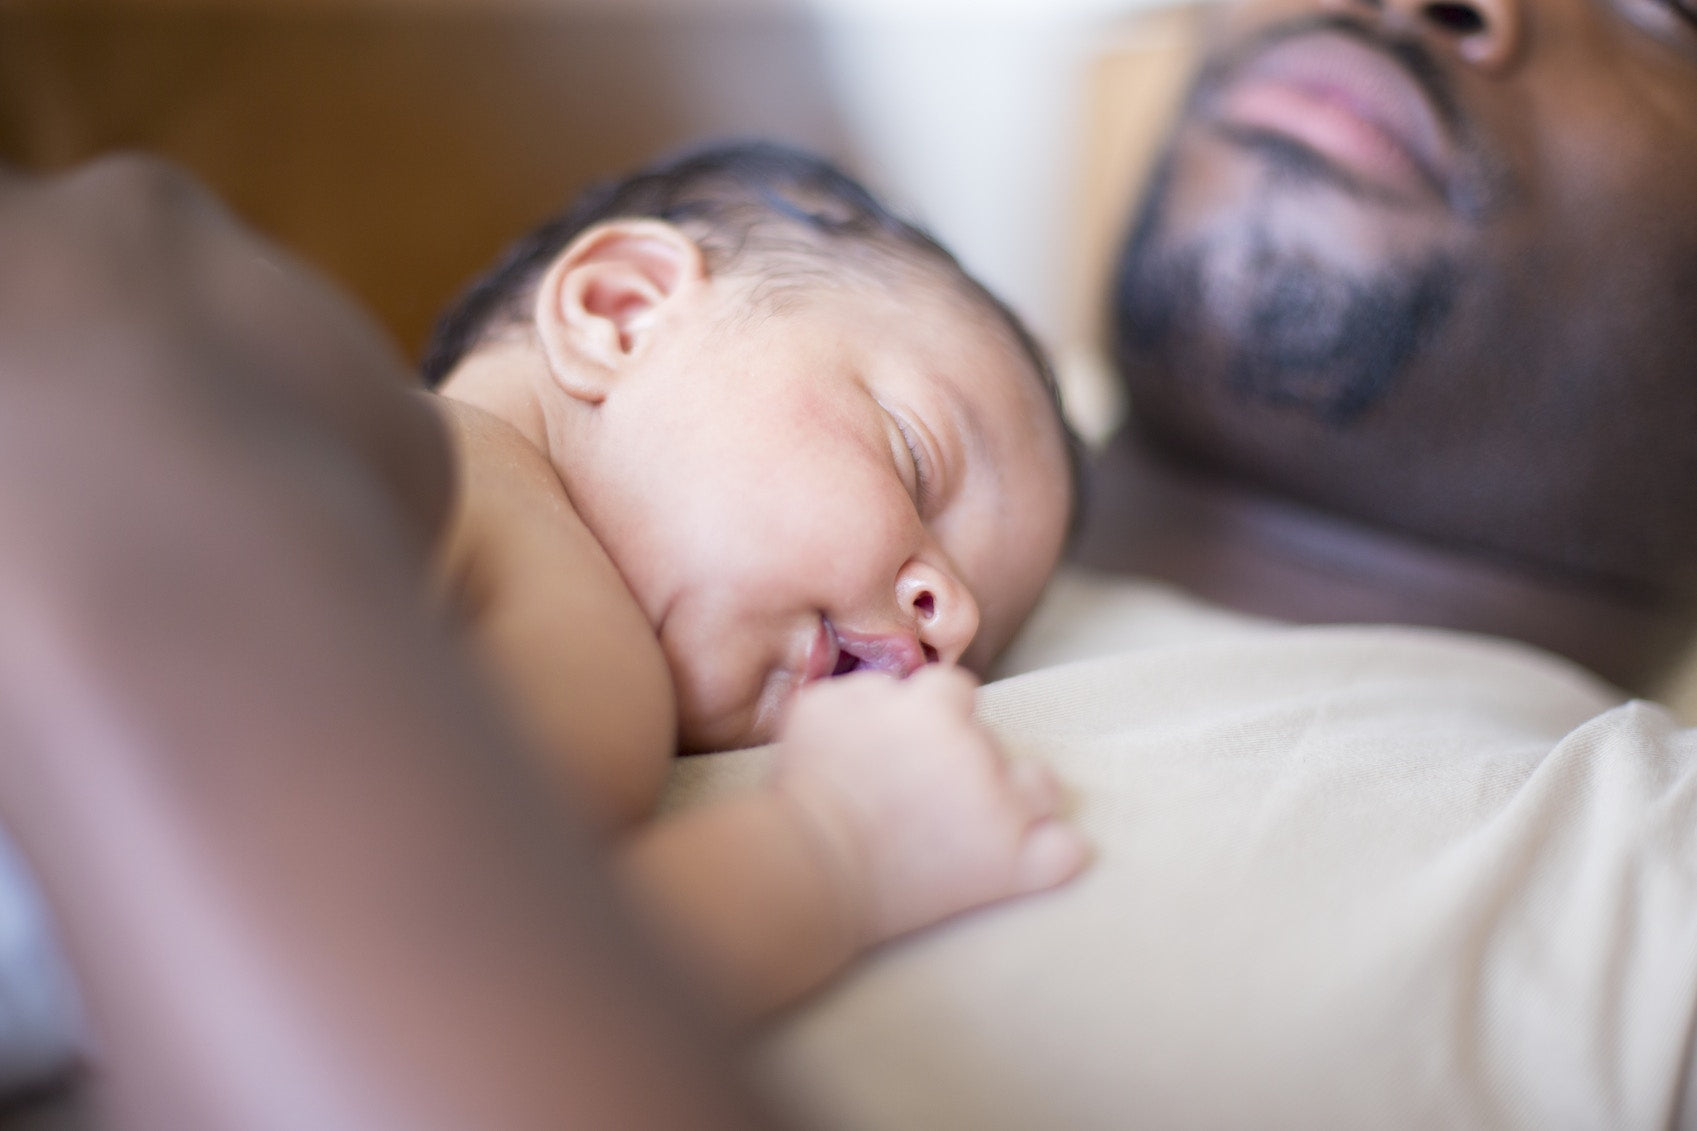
x=1485, y=33
x=943, y=613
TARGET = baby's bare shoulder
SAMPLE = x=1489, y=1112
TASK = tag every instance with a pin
x=510, y=508
x=495, y=462
x=553, y=614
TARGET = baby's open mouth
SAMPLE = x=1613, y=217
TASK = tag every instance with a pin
x=839, y=652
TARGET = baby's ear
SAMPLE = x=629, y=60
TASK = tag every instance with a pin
x=599, y=297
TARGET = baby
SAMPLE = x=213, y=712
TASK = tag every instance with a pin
x=726, y=430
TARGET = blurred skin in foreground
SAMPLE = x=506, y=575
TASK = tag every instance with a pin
x=217, y=495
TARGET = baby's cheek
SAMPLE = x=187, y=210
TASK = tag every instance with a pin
x=717, y=711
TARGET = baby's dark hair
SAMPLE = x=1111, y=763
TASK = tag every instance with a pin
x=786, y=216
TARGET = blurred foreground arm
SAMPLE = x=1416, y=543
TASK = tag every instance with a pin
x=305, y=878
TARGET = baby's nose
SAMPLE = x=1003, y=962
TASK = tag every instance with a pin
x=943, y=612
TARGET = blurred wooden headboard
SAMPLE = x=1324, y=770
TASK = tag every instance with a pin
x=397, y=147
x=398, y=144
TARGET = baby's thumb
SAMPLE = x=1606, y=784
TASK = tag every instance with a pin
x=1053, y=853
x=1036, y=786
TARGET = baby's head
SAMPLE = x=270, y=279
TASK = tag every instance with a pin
x=808, y=440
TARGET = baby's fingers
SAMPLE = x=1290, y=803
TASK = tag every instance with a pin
x=1035, y=787
x=954, y=686
x=1053, y=853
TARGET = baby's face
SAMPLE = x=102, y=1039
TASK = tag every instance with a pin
x=867, y=477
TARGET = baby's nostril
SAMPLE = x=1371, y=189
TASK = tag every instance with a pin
x=925, y=605
x=930, y=654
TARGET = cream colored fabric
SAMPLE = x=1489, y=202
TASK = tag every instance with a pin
x=1347, y=877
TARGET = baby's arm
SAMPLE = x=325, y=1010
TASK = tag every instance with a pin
x=888, y=810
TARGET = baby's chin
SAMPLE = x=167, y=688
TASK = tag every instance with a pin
x=727, y=707
x=709, y=738
x=748, y=724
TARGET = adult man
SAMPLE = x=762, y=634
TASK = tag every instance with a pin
x=1410, y=305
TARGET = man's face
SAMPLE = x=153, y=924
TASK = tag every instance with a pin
x=858, y=476
x=1434, y=265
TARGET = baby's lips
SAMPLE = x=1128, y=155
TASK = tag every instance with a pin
x=835, y=651
x=899, y=654
x=823, y=654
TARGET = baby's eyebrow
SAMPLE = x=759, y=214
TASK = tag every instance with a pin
x=968, y=423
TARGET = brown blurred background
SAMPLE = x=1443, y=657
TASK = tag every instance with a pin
x=398, y=147
x=399, y=144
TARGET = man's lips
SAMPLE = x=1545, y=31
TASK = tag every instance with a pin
x=1351, y=104
x=838, y=652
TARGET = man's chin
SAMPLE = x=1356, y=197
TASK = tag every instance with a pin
x=1272, y=321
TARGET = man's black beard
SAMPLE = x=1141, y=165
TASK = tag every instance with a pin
x=1277, y=324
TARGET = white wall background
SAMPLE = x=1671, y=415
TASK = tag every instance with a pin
x=969, y=113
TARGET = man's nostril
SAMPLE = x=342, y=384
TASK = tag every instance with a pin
x=1458, y=19
x=930, y=654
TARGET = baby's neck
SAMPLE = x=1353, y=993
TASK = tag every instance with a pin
x=496, y=379
x=1270, y=556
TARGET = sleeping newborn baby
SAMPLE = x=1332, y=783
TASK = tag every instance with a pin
x=726, y=430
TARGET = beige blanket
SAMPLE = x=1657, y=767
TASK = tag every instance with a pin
x=1347, y=877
